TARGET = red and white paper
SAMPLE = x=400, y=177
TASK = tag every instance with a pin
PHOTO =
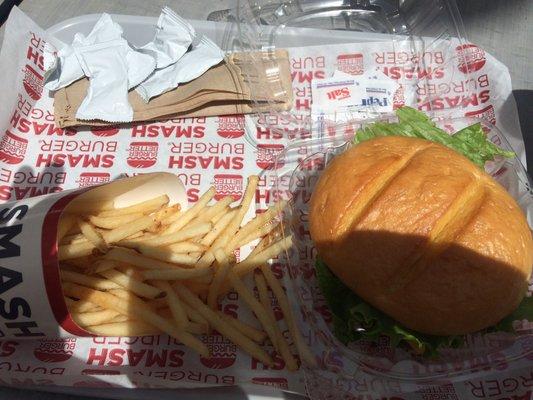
x=36, y=157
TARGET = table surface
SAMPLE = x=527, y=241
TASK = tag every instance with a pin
x=502, y=27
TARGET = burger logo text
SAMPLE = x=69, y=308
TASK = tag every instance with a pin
x=142, y=154
x=350, y=63
x=470, y=58
x=12, y=148
x=93, y=178
x=267, y=156
x=231, y=126
x=228, y=185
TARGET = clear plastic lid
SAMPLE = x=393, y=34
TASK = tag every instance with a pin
x=414, y=40
x=341, y=369
x=421, y=46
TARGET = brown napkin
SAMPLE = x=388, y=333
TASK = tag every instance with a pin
x=243, y=83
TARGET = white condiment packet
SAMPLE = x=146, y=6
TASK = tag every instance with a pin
x=107, y=96
x=343, y=97
x=193, y=64
x=67, y=68
x=172, y=39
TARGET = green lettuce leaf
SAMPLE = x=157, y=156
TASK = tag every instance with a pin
x=470, y=141
x=354, y=319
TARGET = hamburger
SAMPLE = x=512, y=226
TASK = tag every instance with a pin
x=415, y=240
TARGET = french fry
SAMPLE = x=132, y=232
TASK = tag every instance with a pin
x=220, y=275
x=175, y=273
x=194, y=315
x=124, y=328
x=158, y=303
x=114, y=222
x=138, y=260
x=75, y=238
x=133, y=285
x=252, y=262
x=74, y=250
x=66, y=222
x=131, y=228
x=94, y=318
x=255, y=224
x=131, y=272
x=259, y=233
x=90, y=281
x=179, y=236
x=275, y=235
x=163, y=214
x=81, y=306
x=255, y=334
x=103, y=265
x=187, y=247
x=222, y=326
x=220, y=225
x=215, y=210
x=262, y=315
x=174, y=303
x=120, y=318
x=222, y=240
x=92, y=235
x=136, y=308
x=284, y=348
x=303, y=350
x=145, y=207
x=192, y=212
x=165, y=254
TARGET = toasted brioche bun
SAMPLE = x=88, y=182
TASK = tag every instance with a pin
x=421, y=233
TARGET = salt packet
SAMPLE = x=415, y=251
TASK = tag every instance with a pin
x=203, y=55
x=172, y=39
x=343, y=97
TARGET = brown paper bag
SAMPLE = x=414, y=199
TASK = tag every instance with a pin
x=243, y=83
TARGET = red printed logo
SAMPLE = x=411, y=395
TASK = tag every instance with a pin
x=55, y=350
x=231, y=126
x=105, y=130
x=398, y=100
x=339, y=94
x=471, y=58
x=33, y=83
x=486, y=113
x=228, y=185
x=12, y=148
x=223, y=352
x=93, y=178
x=280, y=383
x=142, y=154
x=267, y=155
x=350, y=63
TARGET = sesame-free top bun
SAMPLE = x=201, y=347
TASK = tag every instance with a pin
x=421, y=233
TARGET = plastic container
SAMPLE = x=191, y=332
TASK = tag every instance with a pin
x=421, y=28
x=341, y=368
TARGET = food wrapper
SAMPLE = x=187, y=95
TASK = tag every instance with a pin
x=38, y=157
